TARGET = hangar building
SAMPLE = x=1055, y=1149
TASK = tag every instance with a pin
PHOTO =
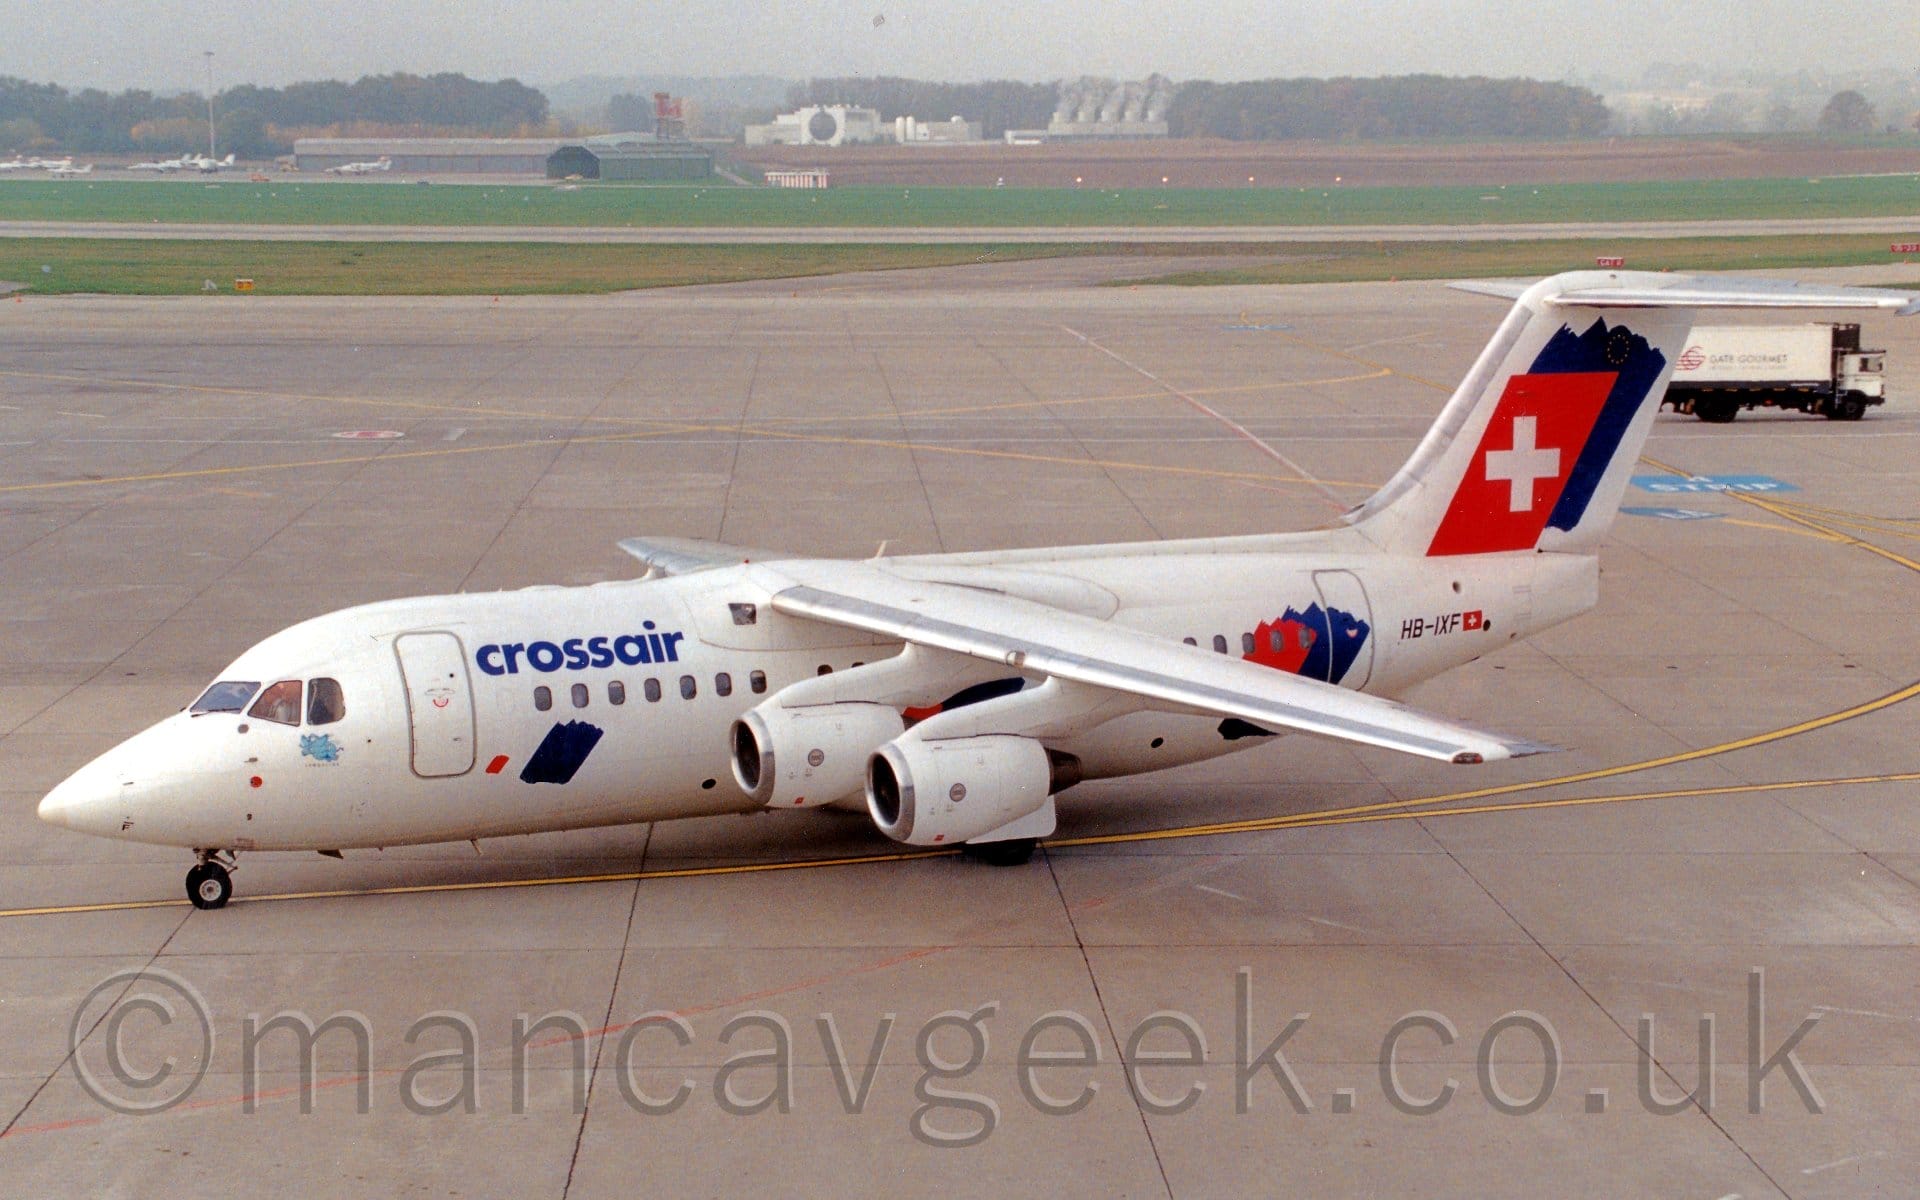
x=630, y=156
x=448, y=156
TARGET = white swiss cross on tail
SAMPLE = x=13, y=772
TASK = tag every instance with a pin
x=1521, y=466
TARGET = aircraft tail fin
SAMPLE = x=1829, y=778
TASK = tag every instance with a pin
x=1534, y=450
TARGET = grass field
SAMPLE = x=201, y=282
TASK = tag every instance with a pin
x=289, y=200
x=55, y=266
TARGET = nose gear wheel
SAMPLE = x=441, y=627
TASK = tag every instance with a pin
x=210, y=882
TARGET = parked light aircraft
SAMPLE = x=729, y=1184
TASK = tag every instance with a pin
x=67, y=170
x=16, y=163
x=166, y=166
x=954, y=694
x=207, y=166
x=383, y=163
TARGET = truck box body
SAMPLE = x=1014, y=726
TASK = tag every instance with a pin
x=1721, y=354
x=1813, y=368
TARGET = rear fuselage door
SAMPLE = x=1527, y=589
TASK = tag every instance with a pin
x=1349, y=628
x=433, y=667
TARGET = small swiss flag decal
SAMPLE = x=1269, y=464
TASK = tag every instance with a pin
x=1471, y=621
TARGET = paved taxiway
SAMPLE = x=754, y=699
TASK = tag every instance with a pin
x=172, y=488
x=965, y=235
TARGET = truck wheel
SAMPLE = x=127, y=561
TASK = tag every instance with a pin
x=1850, y=409
x=1716, y=410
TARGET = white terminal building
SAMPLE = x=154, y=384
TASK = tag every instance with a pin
x=909, y=131
x=850, y=125
x=1088, y=109
x=821, y=125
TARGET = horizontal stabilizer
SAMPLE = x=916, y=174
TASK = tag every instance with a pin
x=1646, y=289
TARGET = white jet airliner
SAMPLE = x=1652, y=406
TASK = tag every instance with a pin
x=956, y=693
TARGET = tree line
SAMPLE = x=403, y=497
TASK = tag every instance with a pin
x=259, y=121
x=255, y=121
x=1402, y=106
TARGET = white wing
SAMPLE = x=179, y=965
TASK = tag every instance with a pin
x=1035, y=638
x=683, y=556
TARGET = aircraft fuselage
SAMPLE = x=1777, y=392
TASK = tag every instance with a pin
x=483, y=715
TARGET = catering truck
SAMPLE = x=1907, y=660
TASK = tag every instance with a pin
x=1813, y=368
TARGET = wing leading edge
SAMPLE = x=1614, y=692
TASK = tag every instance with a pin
x=684, y=556
x=1034, y=638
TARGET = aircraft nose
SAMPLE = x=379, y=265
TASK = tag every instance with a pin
x=53, y=806
x=82, y=802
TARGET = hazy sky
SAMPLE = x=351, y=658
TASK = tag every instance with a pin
x=157, y=44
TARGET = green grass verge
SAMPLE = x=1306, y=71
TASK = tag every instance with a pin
x=1337, y=263
x=287, y=200
x=53, y=266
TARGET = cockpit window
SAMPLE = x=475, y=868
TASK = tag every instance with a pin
x=280, y=703
x=325, y=703
x=229, y=695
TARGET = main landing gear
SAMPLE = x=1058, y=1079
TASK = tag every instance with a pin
x=210, y=882
x=1010, y=853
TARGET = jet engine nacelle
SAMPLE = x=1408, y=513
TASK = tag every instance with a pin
x=950, y=790
x=808, y=755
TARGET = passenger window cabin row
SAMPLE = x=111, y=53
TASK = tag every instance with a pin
x=1275, y=640
x=581, y=694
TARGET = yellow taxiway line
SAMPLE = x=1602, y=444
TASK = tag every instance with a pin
x=1361, y=814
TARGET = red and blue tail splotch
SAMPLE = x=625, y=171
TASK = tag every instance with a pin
x=1318, y=643
x=1315, y=644
x=1550, y=440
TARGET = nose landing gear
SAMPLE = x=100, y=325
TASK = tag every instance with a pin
x=209, y=883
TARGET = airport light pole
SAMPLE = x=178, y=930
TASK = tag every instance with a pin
x=209, y=54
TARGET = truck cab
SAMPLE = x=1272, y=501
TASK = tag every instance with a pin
x=1859, y=376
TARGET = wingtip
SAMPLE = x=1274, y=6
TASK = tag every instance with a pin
x=1529, y=749
x=1516, y=749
